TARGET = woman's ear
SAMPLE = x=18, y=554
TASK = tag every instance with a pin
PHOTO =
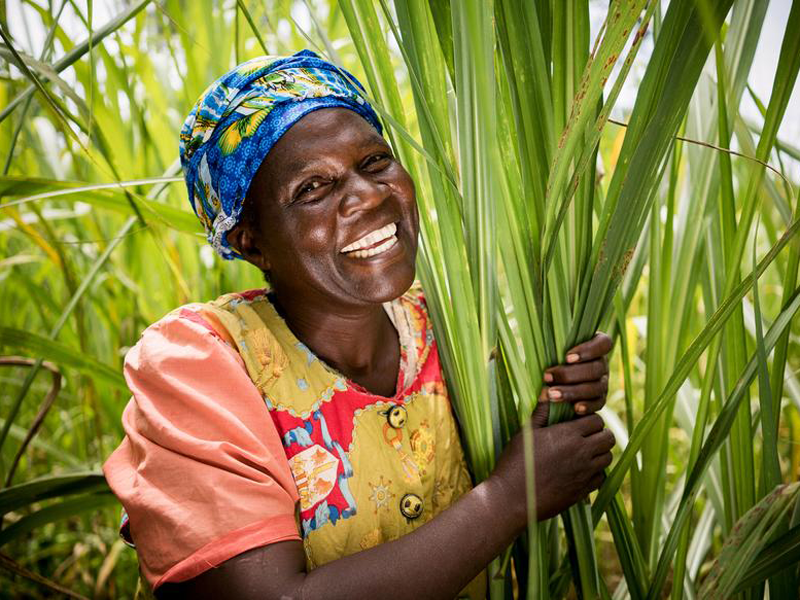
x=241, y=238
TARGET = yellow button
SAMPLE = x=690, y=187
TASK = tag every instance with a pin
x=397, y=416
x=411, y=506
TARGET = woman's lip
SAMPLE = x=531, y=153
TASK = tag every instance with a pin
x=374, y=244
x=371, y=246
x=397, y=246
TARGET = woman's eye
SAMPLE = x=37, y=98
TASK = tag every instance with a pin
x=307, y=189
x=377, y=162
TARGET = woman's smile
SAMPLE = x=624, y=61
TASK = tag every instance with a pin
x=374, y=243
x=380, y=249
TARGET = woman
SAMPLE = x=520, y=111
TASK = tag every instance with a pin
x=298, y=442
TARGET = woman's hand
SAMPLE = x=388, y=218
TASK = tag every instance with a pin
x=581, y=380
x=569, y=459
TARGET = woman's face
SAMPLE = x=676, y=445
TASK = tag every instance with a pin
x=328, y=198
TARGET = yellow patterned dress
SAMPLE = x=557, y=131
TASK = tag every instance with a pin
x=368, y=468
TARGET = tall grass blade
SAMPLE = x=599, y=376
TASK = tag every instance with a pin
x=780, y=554
x=51, y=486
x=56, y=512
x=681, y=372
x=13, y=567
x=755, y=530
x=716, y=437
x=65, y=314
x=77, y=52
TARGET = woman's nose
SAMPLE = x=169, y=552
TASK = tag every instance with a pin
x=362, y=193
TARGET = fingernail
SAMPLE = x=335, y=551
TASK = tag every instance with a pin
x=573, y=358
x=554, y=394
x=580, y=409
x=548, y=377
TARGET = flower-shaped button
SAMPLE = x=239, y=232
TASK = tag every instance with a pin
x=411, y=506
x=397, y=416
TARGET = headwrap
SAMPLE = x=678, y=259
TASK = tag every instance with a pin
x=239, y=118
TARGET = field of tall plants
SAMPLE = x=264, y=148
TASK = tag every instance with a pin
x=580, y=166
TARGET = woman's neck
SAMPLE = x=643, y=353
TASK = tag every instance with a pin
x=359, y=342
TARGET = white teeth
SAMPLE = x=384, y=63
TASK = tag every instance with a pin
x=373, y=238
x=376, y=250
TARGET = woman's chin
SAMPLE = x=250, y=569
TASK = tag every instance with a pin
x=385, y=289
x=380, y=278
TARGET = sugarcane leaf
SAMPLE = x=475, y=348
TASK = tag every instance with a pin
x=529, y=96
x=587, y=155
x=53, y=451
x=620, y=23
x=631, y=559
x=781, y=584
x=778, y=555
x=750, y=536
x=440, y=10
x=102, y=195
x=785, y=77
x=675, y=66
x=256, y=32
x=62, y=320
x=769, y=424
x=80, y=49
x=51, y=486
x=10, y=565
x=682, y=369
x=740, y=46
x=717, y=435
x=427, y=73
x=56, y=512
x=26, y=342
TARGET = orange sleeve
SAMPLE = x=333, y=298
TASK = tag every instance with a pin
x=201, y=471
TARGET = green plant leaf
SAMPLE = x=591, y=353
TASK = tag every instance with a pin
x=51, y=486
x=65, y=356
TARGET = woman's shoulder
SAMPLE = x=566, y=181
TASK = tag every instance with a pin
x=199, y=320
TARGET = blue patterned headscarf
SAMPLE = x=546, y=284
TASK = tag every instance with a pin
x=240, y=117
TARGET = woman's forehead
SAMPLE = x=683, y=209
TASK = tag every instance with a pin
x=331, y=125
x=326, y=133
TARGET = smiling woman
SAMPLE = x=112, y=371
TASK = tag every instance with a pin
x=298, y=441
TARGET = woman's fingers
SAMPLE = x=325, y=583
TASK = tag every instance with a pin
x=602, y=442
x=582, y=407
x=590, y=425
x=584, y=381
x=596, y=481
x=568, y=374
x=598, y=346
x=541, y=414
x=577, y=392
x=603, y=461
x=589, y=407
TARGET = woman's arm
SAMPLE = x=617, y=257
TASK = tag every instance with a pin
x=441, y=557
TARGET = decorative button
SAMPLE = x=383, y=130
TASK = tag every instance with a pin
x=411, y=506
x=397, y=416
